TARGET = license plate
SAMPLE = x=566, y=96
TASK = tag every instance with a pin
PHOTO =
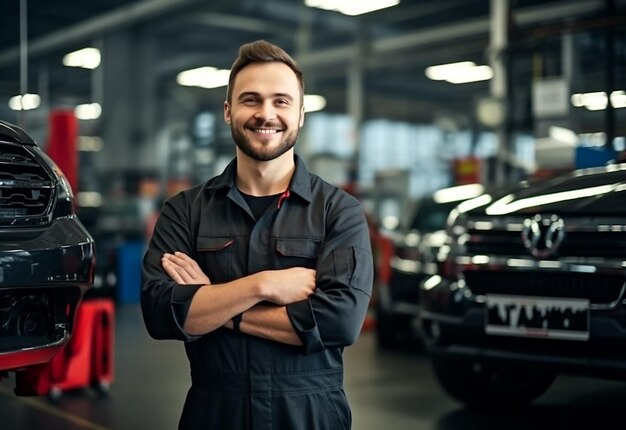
x=541, y=317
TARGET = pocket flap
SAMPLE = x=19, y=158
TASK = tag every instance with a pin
x=213, y=243
x=306, y=248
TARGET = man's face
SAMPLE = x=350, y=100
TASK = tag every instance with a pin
x=265, y=113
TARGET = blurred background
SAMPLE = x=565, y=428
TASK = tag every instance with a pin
x=403, y=99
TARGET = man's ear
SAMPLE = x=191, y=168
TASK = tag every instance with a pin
x=227, y=118
x=302, y=117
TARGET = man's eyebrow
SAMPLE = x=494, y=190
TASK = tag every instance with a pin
x=247, y=94
x=255, y=94
x=283, y=95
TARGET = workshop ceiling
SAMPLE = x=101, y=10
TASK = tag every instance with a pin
x=397, y=44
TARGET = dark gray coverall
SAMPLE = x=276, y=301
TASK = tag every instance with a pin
x=241, y=381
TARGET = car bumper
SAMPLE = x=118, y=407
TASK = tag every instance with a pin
x=453, y=325
x=43, y=277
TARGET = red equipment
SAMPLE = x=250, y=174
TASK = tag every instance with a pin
x=86, y=361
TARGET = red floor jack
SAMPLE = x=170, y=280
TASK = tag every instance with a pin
x=86, y=361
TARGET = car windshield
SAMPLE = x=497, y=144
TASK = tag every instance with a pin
x=431, y=216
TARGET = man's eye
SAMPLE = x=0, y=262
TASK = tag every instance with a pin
x=250, y=100
x=282, y=102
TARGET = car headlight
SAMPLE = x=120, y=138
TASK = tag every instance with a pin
x=64, y=205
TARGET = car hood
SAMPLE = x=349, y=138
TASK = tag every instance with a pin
x=587, y=192
x=15, y=134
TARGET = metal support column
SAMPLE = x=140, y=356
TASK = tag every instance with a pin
x=355, y=98
x=498, y=85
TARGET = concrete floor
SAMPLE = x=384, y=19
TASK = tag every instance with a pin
x=389, y=390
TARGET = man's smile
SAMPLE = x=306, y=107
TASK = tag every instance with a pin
x=266, y=130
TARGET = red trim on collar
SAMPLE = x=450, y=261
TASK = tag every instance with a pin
x=284, y=196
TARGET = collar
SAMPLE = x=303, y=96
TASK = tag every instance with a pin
x=300, y=181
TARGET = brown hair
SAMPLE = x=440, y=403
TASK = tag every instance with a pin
x=261, y=51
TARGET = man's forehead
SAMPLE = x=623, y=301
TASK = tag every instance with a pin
x=266, y=74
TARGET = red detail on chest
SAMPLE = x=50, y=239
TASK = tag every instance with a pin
x=282, y=198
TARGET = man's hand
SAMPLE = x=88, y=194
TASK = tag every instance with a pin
x=286, y=286
x=183, y=269
x=281, y=287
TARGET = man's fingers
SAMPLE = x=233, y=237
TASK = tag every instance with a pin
x=170, y=269
x=185, y=268
x=177, y=272
x=189, y=262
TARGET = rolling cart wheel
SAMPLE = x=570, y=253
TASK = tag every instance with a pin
x=55, y=394
x=102, y=387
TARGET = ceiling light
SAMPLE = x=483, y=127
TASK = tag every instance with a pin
x=25, y=102
x=352, y=7
x=204, y=77
x=88, y=111
x=442, y=71
x=87, y=58
x=459, y=73
x=314, y=102
x=618, y=99
x=598, y=100
x=595, y=101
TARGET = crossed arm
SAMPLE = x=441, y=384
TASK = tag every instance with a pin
x=261, y=296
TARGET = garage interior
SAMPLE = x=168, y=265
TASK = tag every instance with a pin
x=387, y=125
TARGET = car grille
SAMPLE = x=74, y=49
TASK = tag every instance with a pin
x=599, y=288
x=585, y=244
x=26, y=188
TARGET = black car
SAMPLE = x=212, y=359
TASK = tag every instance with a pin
x=47, y=257
x=532, y=283
x=409, y=256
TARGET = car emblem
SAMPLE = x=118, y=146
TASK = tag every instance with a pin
x=543, y=234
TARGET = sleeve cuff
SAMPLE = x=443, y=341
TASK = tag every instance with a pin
x=303, y=321
x=181, y=301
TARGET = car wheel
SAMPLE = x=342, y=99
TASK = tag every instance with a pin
x=480, y=385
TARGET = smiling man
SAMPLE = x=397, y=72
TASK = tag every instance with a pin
x=265, y=271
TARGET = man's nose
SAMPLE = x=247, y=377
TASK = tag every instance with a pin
x=266, y=111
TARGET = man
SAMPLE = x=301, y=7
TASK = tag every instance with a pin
x=265, y=271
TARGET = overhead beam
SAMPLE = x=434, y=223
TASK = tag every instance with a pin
x=240, y=23
x=147, y=9
x=87, y=30
x=449, y=33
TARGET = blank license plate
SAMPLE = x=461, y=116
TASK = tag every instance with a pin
x=542, y=317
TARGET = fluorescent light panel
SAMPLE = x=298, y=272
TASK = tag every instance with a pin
x=459, y=73
x=87, y=58
x=25, y=102
x=598, y=100
x=352, y=7
x=314, y=102
x=88, y=111
x=204, y=77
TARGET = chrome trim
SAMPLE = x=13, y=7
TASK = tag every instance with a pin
x=481, y=299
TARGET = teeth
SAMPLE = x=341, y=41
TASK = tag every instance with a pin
x=264, y=131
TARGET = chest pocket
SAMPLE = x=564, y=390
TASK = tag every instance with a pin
x=297, y=253
x=215, y=257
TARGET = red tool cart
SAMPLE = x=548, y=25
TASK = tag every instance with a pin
x=86, y=361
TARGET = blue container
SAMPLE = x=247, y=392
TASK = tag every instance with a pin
x=129, y=256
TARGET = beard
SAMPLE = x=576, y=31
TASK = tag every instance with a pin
x=261, y=152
